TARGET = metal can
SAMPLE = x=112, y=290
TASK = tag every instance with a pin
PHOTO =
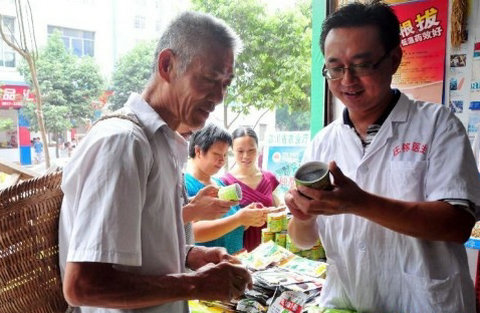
x=323, y=255
x=285, y=222
x=291, y=246
x=318, y=253
x=307, y=253
x=275, y=221
x=230, y=193
x=267, y=235
x=281, y=238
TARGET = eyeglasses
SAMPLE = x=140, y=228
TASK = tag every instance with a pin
x=362, y=69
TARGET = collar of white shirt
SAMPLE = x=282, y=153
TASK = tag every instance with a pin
x=153, y=122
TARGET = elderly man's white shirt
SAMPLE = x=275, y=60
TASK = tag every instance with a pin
x=122, y=202
x=421, y=153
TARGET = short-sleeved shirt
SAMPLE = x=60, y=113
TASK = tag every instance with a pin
x=420, y=153
x=233, y=240
x=122, y=202
x=38, y=147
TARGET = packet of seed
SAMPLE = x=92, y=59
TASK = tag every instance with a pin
x=264, y=255
x=250, y=306
x=288, y=302
x=305, y=266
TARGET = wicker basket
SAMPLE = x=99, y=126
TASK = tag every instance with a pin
x=29, y=271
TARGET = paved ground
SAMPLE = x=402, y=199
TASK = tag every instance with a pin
x=13, y=155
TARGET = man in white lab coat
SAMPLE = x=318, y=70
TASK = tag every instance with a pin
x=405, y=183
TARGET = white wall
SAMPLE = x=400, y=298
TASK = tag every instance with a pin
x=112, y=21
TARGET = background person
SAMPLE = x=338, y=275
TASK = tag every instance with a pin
x=404, y=200
x=257, y=185
x=38, y=148
x=205, y=205
x=13, y=142
x=121, y=235
x=208, y=151
x=67, y=149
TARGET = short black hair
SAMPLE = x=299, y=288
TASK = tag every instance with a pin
x=206, y=137
x=245, y=131
x=358, y=14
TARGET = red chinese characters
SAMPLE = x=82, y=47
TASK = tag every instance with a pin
x=14, y=96
x=426, y=26
x=291, y=306
x=415, y=147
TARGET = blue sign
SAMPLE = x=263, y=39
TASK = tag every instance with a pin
x=283, y=161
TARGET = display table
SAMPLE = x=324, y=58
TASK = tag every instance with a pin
x=474, y=243
x=282, y=281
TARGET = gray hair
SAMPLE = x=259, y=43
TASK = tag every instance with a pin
x=191, y=34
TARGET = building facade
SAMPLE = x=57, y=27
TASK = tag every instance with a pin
x=103, y=29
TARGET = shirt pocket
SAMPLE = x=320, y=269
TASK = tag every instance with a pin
x=407, y=180
x=427, y=295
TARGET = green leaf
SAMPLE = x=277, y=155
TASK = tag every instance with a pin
x=132, y=72
x=68, y=84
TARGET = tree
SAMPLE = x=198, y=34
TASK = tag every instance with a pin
x=272, y=71
x=69, y=85
x=6, y=124
x=295, y=120
x=26, y=46
x=132, y=72
x=274, y=68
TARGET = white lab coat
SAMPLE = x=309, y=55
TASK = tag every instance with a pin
x=421, y=153
x=476, y=148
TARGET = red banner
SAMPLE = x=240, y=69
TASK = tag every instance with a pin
x=13, y=96
x=423, y=30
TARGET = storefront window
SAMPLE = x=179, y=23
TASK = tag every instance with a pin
x=79, y=42
x=7, y=54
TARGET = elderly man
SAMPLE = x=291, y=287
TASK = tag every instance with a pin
x=122, y=241
x=394, y=225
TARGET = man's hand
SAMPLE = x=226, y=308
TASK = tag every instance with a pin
x=346, y=197
x=201, y=256
x=292, y=197
x=223, y=281
x=206, y=206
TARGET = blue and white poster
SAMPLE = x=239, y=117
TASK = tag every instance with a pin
x=283, y=155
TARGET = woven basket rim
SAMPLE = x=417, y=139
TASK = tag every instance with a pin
x=47, y=181
x=29, y=269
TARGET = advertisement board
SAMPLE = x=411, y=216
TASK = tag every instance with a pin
x=423, y=29
x=283, y=154
x=13, y=96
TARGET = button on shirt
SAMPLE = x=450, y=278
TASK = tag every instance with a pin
x=420, y=153
x=119, y=205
